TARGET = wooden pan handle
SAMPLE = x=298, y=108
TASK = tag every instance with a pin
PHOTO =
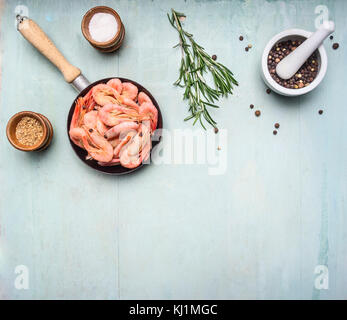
x=34, y=34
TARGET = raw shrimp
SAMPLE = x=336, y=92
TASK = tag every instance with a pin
x=108, y=115
x=78, y=114
x=142, y=97
x=112, y=114
x=125, y=89
x=119, y=128
x=104, y=94
x=127, y=102
x=89, y=101
x=137, y=150
x=129, y=90
x=149, y=111
x=133, y=161
x=97, y=146
x=76, y=135
x=100, y=126
x=115, y=84
x=123, y=142
x=90, y=119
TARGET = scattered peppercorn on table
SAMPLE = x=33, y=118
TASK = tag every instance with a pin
x=259, y=227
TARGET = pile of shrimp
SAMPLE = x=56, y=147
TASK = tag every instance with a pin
x=114, y=124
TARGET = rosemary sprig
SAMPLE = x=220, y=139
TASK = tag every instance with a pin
x=194, y=63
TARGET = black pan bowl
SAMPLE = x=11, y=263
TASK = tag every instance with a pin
x=81, y=153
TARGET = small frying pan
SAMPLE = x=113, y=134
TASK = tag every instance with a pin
x=34, y=34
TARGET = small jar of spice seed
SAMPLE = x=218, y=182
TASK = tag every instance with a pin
x=29, y=131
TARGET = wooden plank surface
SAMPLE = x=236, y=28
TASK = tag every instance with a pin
x=174, y=231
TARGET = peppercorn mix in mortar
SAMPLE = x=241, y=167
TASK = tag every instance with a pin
x=305, y=75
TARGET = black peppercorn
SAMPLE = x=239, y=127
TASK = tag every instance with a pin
x=305, y=75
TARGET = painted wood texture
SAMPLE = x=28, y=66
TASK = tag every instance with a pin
x=173, y=231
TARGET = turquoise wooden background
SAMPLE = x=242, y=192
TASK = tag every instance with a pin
x=173, y=231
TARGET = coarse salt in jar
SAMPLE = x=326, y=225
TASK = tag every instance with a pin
x=103, y=28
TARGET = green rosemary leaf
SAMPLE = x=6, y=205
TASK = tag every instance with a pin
x=194, y=64
x=189, y=117
x=211, y=105
x=207, y=115
x=202, y=123
x=197, y=116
